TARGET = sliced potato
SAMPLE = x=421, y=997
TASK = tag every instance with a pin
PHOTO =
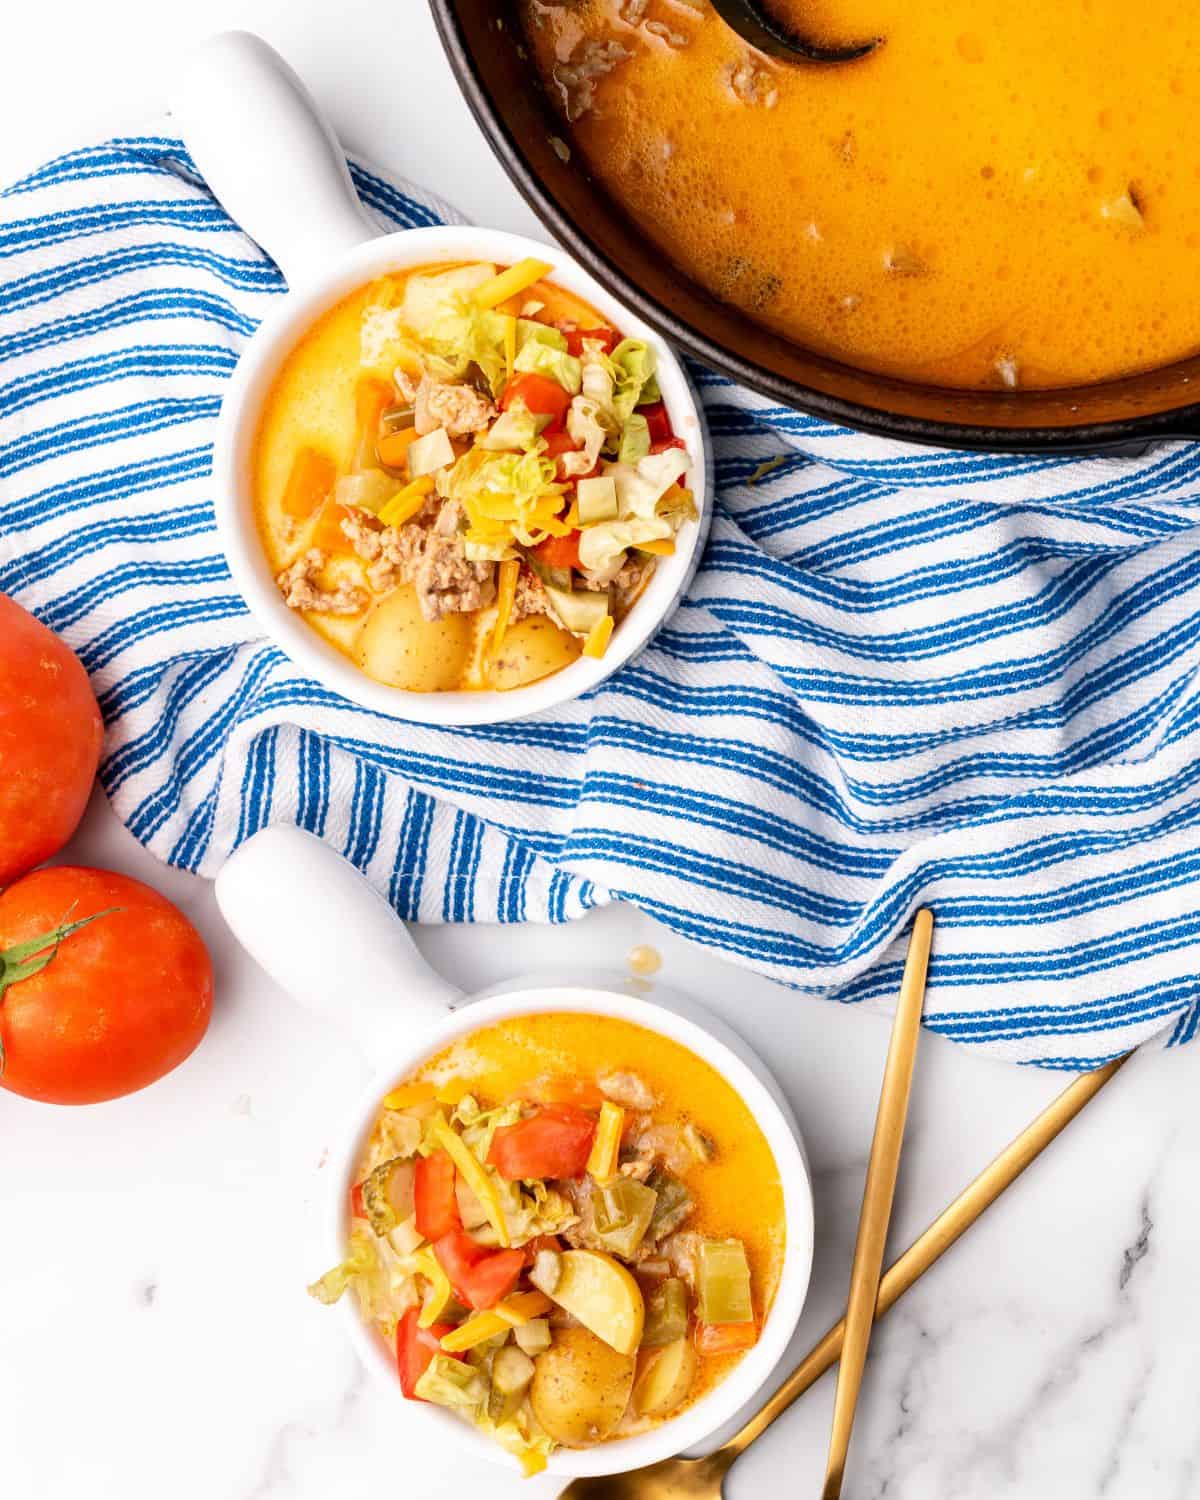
x=399, y=646
x=601, y=1293
x=532, y=649
x=580, y=1387
x=666, y=1379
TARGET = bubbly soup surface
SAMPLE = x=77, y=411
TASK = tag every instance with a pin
x=1002, y=195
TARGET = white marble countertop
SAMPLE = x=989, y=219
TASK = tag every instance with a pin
x=156, y=1338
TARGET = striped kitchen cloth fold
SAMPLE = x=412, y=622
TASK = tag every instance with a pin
x=902, y=676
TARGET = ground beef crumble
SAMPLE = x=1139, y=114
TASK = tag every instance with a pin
x=300, y=590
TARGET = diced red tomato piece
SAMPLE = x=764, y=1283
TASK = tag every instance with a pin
x=559, y=552
x=480, y=1277
x=672, y=442
x=541, y=395
x=605, y=337
x=357, y=1206
x=657, y=421
x=415, y=1348
x=434, y=1200
x=555, y=1142
x=725, y=1338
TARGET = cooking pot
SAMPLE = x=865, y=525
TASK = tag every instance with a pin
x=312, y=921
x=482, y=39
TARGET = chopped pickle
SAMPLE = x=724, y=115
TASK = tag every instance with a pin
x=666, y=1314
x=511, y=1373
x=673, y=1205
x=534, y=1336
x=723, y=1282
x=378, y=1199
x=451, y=1382
x=624, y=1209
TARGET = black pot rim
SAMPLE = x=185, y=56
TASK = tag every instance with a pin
x=1179, y=423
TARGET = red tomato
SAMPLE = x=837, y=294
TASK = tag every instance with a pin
x=725, y=1338
x=357, y=1207
x=605, y=337
x=657, y=421
x=124, y=1000
x=666, y=443
x=555, y=1142
x=480, y=1277
x=50, y=732
x=415, y=1348
x=434, y=1200
x=559, y=551
x=541, y=395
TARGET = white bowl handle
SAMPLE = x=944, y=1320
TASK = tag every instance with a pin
x=268, y=153
x=323, y=934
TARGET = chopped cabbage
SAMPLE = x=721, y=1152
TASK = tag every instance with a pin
x=520, y=1437
x=361, y=1259
x=635, y=439
x=584, y=425
x=600, y=545
x=507, y=496
x=642, y=485
x=462, y=333
x=426, y=296
x=543, y=359
x=539, y=333
x=635, y=380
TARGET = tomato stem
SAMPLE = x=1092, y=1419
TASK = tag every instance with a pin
x=23, y=960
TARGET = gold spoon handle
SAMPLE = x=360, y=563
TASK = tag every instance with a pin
x=878, y=1194
x=949, y=1226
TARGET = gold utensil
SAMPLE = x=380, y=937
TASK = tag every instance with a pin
x=701, y=1478
x=879, y=1192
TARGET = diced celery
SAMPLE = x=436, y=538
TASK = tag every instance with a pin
x=623, y=1210
x=666, y=1314
x=597, y=499
x=723, y=1282
x=578, y=611
x=430, y=453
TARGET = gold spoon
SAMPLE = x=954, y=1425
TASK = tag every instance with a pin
x=878, y=1194
x=701, y=1478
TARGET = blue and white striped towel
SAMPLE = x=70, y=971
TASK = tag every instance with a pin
x=903, y=676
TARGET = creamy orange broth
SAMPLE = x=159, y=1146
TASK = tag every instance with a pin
x=310, y=403
x=738, y=1194
x=1029, y=173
